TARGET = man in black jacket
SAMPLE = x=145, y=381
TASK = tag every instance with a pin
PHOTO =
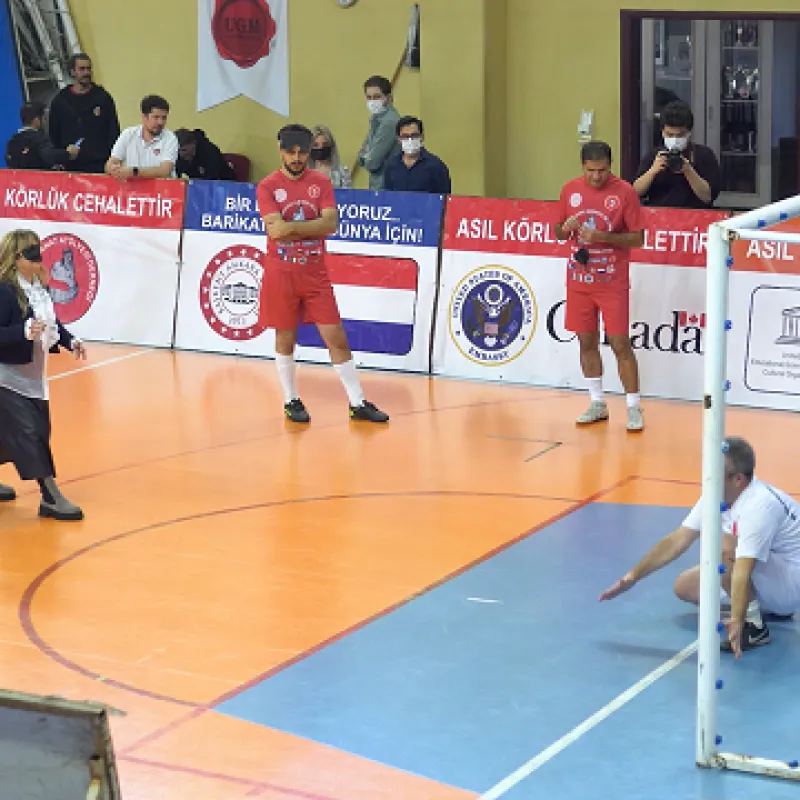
x=199, y=158
x=84, y=112
x=29, y=147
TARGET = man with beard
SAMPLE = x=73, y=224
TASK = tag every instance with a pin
x=299, y=211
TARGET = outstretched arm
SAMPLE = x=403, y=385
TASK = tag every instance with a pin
x=672, y=546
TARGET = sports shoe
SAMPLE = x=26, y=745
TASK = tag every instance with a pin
x=777, y=617
x=752, y=636
x=296, y=411
x=596, y=412
x=368, y=412
x=635, y=419
x=7, y=493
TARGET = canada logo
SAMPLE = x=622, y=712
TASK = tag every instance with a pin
x=230, y=291
x=243, y=30
x=74, y=275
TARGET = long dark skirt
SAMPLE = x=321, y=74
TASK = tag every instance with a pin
x=25, y=435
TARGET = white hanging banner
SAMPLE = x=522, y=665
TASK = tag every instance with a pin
x=243, y=49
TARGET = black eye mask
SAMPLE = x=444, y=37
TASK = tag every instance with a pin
x=33, y=252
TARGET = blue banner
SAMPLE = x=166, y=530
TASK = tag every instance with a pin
x=410, y=219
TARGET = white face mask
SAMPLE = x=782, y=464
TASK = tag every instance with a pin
x=375, y=106
x=673, y=143
x=411, y=146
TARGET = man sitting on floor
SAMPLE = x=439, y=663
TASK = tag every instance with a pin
x=760, y=551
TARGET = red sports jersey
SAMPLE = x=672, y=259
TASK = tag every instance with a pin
x=299, y=200
x=614, y=209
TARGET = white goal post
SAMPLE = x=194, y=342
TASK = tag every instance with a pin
x=751, y=225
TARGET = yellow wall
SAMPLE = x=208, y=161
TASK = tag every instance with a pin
x=563, y=56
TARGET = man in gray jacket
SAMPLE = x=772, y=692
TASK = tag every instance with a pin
x=381, y=142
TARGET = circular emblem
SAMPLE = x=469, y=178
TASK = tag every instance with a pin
x=314, y=191
x=230, y=292
x=575, y=199
x=280, y=195
x=243, y=30
x=74, y=275
x=493, y=315
x=611, y=202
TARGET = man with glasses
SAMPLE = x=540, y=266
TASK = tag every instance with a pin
x=415, y=169
x=760, y=552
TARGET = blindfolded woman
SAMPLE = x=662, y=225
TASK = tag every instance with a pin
x=29, y=331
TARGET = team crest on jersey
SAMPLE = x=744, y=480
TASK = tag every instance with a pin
x=493, y=315
x=611, y=202
x=74, y=275
x=576, y=198
x=313, y=191
x=230, y=291
x=280, y=195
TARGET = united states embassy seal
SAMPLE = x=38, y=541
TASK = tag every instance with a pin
x=243, y=30
x=493, y=315
x=230, y=291
x=74, y=275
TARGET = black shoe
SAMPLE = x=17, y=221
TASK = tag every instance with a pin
x=777, y=617
x=7, y=493
x=752, y=636
x=296, y=411
x=368, y=412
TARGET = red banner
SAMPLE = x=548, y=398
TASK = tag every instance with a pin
x=92, y=199
x=527, y=227
x=780, y=257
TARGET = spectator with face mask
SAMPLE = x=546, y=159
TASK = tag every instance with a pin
x=681, y=174
x=381, y=142
x=415, y=169
x=324, y=157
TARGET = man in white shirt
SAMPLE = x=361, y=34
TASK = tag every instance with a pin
x=149, y=150
x=760, y=552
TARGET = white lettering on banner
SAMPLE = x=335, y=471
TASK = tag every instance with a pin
x=769, y=250
x=476, y=229
x=396, y=234
x=238, y=203
x=524, y=230
x=232, y=222
x=370, y=213
x=54, y=200
x=693, y=241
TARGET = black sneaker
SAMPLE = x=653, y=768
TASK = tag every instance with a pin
x=777, y=617
x=368, y=412
x=296, y=411
x=752, y=636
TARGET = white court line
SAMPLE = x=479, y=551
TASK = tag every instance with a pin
x=507, y=784
x=99, y=364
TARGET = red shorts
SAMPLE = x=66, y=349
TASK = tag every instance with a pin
x=583, y=309
x=294, y=293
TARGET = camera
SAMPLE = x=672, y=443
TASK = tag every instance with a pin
x=674, y=160
x=582, y=256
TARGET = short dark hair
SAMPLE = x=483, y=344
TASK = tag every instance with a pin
x=379, y=82
x=596, y=151
x=31, y=111
x=741, y=456
x=677, y=114
x=408, y=120
x=296, y=134
x=185, y=136
x=153, y=101
x=74, y=59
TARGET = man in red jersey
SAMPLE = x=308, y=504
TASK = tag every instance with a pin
x=601, y=215
x=299, y=211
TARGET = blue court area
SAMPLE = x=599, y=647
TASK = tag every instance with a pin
x=467, y=683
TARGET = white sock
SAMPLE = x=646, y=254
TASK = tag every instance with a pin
x=633, y=400
x=287, y=375
x=352, y=385
x=754, y=614
x=596, y=389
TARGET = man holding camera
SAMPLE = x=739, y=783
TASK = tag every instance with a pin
x=681, y=174
x=602, y=216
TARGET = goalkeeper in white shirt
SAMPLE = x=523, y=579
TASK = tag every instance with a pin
x=760, y=552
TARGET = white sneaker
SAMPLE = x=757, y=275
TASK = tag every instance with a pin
x=635, y=419
x=597, y=412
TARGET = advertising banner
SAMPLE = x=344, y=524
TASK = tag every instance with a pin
x=111, y=248
x=382, y=262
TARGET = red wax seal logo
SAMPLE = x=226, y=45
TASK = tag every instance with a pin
x=74, y=275
x=243, y=30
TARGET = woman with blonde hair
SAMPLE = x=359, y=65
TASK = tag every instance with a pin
x=29, y=330
x=324, y=156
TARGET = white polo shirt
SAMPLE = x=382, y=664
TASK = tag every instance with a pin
x=136, y=152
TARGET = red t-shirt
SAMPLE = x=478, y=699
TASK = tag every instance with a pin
x=301, y=199
x=615, y=208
